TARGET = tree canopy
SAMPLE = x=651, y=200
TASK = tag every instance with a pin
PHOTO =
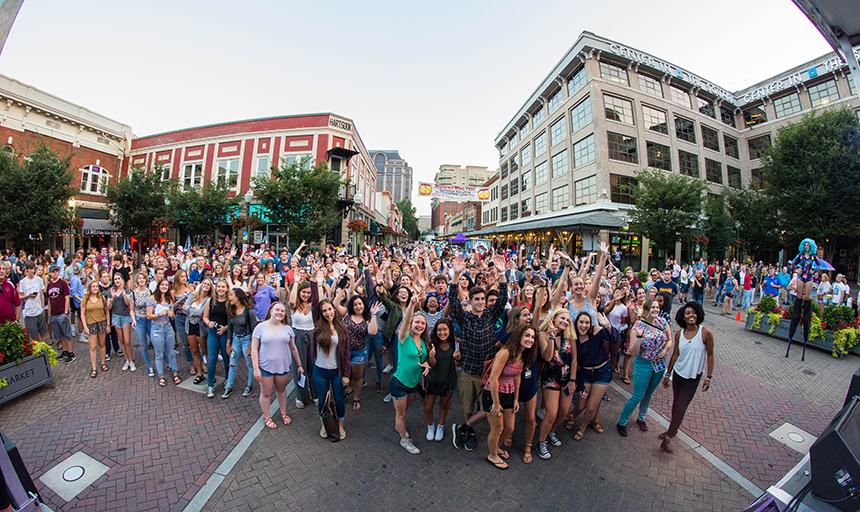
x=756, y=220
x=202, y=208
x=812, y=173
x=668, y=207
x=36, y=193
x=718, y=226
x=138, y=200
x=302, y=197
x=410, y=221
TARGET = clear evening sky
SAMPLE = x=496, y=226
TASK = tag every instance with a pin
x=436, y=80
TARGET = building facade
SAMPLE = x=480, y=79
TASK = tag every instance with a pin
x=454, y=175
x=569, y=155
x=233, y=153
x=98, y=147
x=392, y=174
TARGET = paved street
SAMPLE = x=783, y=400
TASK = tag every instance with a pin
x=163, y=445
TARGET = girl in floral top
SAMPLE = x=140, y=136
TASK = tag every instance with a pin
x=556, y=333
x=499, y=398
x=651, y=339
x=359, y=321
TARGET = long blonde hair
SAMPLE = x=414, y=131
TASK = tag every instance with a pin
x=569, y=331
x=196, y=293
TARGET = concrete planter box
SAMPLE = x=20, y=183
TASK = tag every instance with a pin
x=781, y=332
x=32, y=372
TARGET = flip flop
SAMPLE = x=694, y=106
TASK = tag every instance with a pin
x=499, y=465
x=625, y=380
x=504, y=455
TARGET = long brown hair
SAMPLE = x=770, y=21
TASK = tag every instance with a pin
x=515, y=349
x=168, y=297
x=323, y=332
x=243, y=299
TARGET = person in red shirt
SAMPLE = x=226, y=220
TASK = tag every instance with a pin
x=10, y=301
x=58, y=312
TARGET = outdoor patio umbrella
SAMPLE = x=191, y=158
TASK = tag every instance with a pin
x=459, y=239
x=825, y=265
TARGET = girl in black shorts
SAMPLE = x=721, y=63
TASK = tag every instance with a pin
x=442, y=380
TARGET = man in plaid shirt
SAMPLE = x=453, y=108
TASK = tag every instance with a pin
x=478, y=340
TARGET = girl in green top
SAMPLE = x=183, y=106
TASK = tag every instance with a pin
x=411, y=363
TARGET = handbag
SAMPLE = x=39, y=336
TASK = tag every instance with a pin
x=488, y=367
x=329, y=418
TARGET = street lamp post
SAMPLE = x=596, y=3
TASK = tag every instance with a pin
x=72, y=226
x=249, y=196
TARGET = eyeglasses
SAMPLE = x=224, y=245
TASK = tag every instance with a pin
x=217, y=279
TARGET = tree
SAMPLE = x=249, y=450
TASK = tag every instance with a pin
x=756, y=220
x=301, y=197
x=138, y=200
x=718, y=226
x=667, y=208
x=202, y=208
x=812, y=172
x=36, y=193
x=410, y=221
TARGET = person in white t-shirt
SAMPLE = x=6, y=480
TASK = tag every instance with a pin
x=840, y=290
x=31, y=289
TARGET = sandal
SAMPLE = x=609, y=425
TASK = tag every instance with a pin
x=596, y=427
x=162, y=382
x=579, y=435
x=323, y=433
x=286, y=418
x=527, y=457
x=193, y=371
x=504, y=455
x=570, y=425
x=342, y=434
x=356, y=404
x=269, y=423
x=104, y=367
x=508, y=442
x=499, y=465
x=176, y=379
x=93, y=374
x=198, y=379
x=625, y=380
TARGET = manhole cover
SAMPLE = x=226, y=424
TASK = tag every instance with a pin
x=808, y=372
x=73, y=473
x=795, y=437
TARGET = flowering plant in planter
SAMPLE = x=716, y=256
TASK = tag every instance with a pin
x=357, y=225
x=15, y=345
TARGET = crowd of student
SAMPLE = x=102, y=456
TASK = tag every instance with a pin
x=508, y=330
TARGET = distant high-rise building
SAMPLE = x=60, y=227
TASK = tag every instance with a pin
x=468, y=176
x=392, y=174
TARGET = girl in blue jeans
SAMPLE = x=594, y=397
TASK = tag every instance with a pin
x=242, y=323
x=215, y=317
x=330, y=354
x=651, y=339
x=159, y=310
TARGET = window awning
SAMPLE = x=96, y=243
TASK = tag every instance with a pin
x=587, y=220
x=340, y=152
x=99, y=227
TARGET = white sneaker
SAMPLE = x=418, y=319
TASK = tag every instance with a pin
x=204, y=360
x=431, y=432
x=388, y=398
x=210, y=392
x=409, y=447
x=317, y=402
x=125, y=366
x=387, y=368
x=440, y=432
x=540, y=414
x=220, y=358
x=151, y=372
x=132, y=367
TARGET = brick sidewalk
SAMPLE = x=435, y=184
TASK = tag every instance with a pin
x=292, y=468
x=161, y=444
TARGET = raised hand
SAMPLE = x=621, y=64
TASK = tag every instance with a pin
x=604, y=248
x=602, y=320
x=458, y=265
x=499, y=261
x=376, y=308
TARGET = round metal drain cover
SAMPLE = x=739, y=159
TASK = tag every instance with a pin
x=73, y=473
x=794, y=436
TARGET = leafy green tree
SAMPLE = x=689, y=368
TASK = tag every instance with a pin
x=668, y=207
x=756, y=220
x=36, y=193
x=301, y=197
x=410, y=221
x=812, y=172
x=138, y=199
x=200, y=209
x=718, y=226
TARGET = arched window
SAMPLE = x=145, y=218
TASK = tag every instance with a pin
x=379, y=162
x=94, y=179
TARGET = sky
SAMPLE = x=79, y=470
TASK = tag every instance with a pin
x=435, y=80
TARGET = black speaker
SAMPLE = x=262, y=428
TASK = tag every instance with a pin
x=854, y=388
x=834, y=460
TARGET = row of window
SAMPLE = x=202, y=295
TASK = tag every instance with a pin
x=819, y=94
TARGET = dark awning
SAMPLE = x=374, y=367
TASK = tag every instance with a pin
x=340, y=152
x=99, y=227
x=587, y=220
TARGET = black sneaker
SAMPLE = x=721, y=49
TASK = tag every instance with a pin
x=227, y=392
x=119, y=352
x=471, y=441
x=458, y=435
x=70, y=357
x=621, y=430
x=247, y=391
x=63, y=355
x=107, y=357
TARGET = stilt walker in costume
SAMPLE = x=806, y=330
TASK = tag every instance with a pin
x=806, y=263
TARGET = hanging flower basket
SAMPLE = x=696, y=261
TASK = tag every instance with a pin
x=78, y=223
x=254, y=222
x=386, y=230
x=357, y=225
x=702, y=240
x=161, y=223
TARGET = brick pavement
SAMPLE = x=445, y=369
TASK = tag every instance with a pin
x=161, y=443
x=292, y=468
